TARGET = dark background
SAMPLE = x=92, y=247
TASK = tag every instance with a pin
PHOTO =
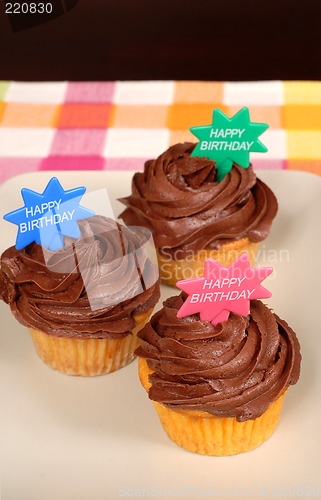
x=167, y=39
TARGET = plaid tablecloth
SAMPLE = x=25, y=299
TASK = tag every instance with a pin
x=118, y=125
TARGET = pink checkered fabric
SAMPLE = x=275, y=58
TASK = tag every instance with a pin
x=118, y=125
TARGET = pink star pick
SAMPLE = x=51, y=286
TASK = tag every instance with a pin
x=224, y=289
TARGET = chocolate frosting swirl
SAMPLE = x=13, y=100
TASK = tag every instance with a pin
x=179, y=200
x=89, y=289
x=234, y=369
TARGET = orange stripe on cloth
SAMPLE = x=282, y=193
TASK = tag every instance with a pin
x=138, y=116
x=184, y=116
x=313, y=166
x=262, y=114
x=84, y=116
x=302, y=117
x=29, y=115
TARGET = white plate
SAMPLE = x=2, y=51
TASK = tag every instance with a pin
x=99, y=438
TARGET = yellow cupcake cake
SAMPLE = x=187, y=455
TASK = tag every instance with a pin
x=194, y=217
x=84, y=303
x=218, y=390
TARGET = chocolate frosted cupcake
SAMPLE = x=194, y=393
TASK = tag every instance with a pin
x=219, y=389
x=85, y=303
x=194, y=217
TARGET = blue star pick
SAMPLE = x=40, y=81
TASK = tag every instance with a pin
x=46, y=218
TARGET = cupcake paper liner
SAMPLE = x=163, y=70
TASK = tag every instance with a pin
x=172, y=270
x=87, y=357
x=207, y=434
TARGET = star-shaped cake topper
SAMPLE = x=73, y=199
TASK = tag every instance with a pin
x=227, y=140
x=47, y=217
x=224, y=289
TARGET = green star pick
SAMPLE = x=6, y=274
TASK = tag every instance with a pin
x=229, y=140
